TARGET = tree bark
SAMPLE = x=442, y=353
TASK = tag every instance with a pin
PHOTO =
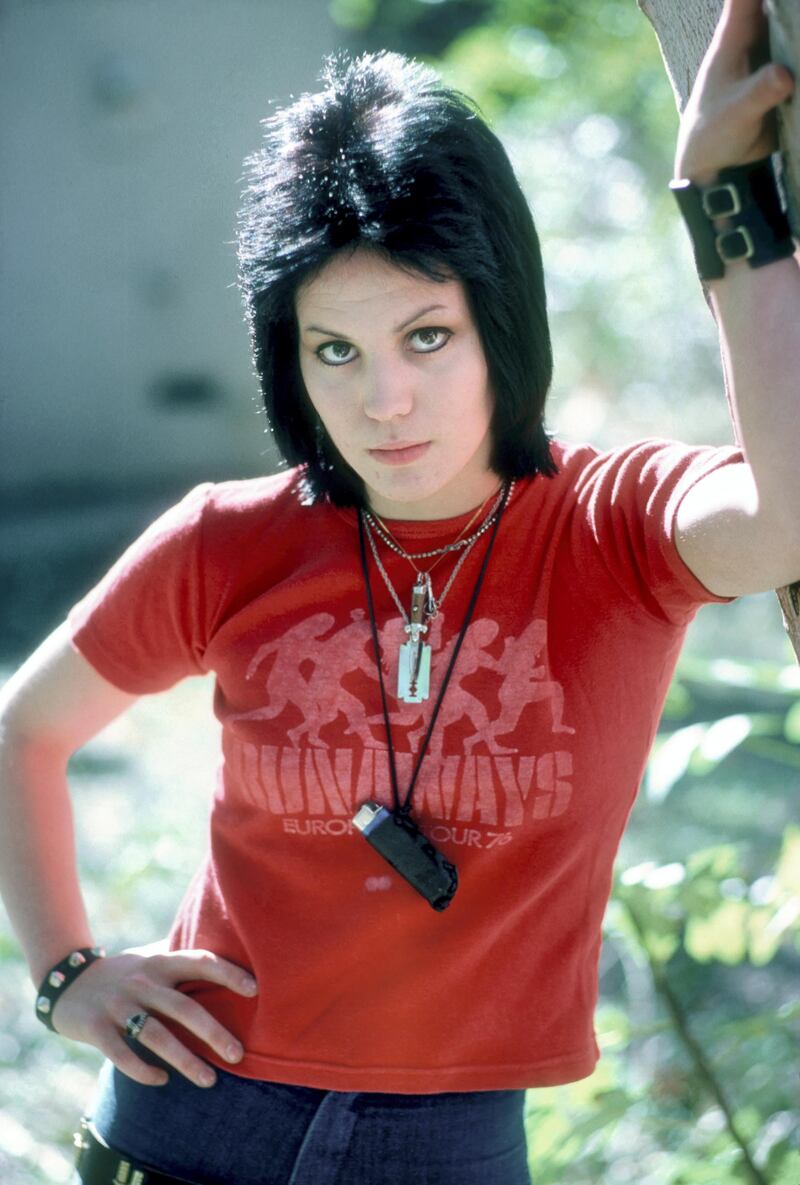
x=784, y=35
x=684, y=31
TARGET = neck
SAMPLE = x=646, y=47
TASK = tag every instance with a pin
x=442, y=505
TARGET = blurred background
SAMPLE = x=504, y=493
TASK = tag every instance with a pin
x=126, y=378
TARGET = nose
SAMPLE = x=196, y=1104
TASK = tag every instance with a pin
x=387, y=393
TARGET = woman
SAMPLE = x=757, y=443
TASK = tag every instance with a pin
x=441, y=641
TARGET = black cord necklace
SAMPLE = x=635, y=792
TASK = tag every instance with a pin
x=404, y=845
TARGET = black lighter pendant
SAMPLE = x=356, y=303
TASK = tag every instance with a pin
x=414, y=663
x=399, y=840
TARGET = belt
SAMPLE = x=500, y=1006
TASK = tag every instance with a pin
x=98, y=1164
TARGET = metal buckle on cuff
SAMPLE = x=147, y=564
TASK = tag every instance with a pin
x=715, y=204
x=735, y=245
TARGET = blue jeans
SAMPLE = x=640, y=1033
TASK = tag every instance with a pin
x=243, y=1131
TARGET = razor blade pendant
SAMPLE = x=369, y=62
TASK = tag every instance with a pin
x=414, y=660
x=414, y=672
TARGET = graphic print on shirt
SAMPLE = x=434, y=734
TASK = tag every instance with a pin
x=315, y=747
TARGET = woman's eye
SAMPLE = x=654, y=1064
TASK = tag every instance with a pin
x=424, y=341
x=430, y=339
x=335, y=353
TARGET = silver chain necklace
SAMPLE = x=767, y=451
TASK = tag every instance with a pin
x=414, y=658
x=432, y=605
x=376, y=526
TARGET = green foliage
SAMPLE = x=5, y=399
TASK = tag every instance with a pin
x=770, y=725
x=706, y=927
x=704, y=911
x=707, y=906
x=353, y=14
x=573, y=58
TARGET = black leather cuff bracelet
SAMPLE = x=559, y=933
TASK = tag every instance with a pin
x=748, y=196
x=60, y=977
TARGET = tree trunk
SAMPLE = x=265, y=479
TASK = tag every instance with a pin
x=684, y=31
x=784, y=34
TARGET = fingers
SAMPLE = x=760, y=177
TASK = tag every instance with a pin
x=96, y=1007
x=772, y=84
x=153, y=987
x=763, y=91
x=155, y=1036
x=742, y=23
x=740, y=41
x=184, y=965
x=195, y=1019
x=741, y=44
x=128, y=1063
x=730, y=116
x=159, y=1040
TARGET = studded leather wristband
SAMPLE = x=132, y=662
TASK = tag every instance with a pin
x=60, y=977
x=757, y=231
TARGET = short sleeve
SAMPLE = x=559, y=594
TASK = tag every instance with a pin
x=144, y=626
x=629, y=498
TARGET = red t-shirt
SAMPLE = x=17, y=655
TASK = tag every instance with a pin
x=531, y=773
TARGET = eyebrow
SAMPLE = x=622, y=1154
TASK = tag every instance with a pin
x=398, y=328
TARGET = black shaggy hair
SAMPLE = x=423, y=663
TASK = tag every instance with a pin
x=388, y=158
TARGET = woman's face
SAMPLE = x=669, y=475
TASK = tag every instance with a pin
x=394, y=367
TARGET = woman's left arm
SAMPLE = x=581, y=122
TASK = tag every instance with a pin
x=738, y=529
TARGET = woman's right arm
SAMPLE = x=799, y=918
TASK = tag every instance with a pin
x=52, y=706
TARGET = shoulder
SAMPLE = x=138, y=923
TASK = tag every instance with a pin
x=262, y=512
x=218, y=507
x=619, y=509
x=648, y=464
x=258, y=502
x=575, y=458
x=277, y=491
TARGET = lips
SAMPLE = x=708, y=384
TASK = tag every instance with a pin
x=399, y=452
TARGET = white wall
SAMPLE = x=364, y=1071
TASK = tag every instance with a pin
x=124, y=127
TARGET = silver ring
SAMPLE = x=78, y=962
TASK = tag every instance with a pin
x=134, y=1025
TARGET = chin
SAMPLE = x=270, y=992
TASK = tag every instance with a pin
x=405, y=493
